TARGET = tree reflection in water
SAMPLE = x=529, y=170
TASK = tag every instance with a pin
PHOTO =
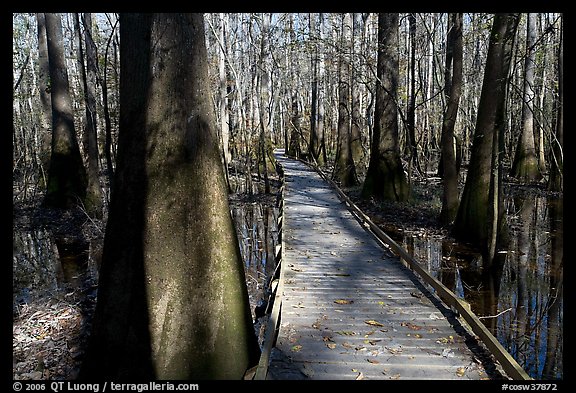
x=519, y=297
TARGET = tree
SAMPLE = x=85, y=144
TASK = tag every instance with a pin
x=411, y=143
x=525, y=165
x=172, y=301
x=293, y=148
x=89, y=72
x=480, y=215
x=317, y=101
x=264, y=104
x=67, y=175
x=556, y=180
x=344, y=168
x=453, y=89
x=385, y=178
x=44, y=89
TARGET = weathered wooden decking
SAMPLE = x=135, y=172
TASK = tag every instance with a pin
x=350, y=308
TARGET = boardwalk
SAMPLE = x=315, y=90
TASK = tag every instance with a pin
x=352, y=310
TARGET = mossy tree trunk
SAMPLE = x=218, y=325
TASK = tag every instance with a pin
x=385, y=179
x=172, y=302
x=67, y=175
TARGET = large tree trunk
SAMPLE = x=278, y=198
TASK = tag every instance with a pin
x=67, y=176
x=525, y=165
x=344, y=168
x=172, y=302
x=479, y=207
x=453, y=89
x=386, y=179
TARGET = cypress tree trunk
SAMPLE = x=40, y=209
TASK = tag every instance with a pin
x=172, y=302
x=93, y=201
x=479, y=206
x=385, y=178
x=314, y=145
x=453, y=88
x=525, y=165
x=67, y=176
x=344, y=168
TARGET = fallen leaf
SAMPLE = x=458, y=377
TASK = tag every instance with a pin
x=360, y=376
x=411, y=325
x=372, y=322
x=417, y=294
x=343, y=301
x=371, y=342
x=346, y=333
x=460, y=371
x=373, y=361
x=394, y=349
x=331, y=345
x=296, y=348
x=347, y=345
x=445, y=340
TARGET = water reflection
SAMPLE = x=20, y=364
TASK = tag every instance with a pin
x=519, y=297
x=44, y=265
x=256, y=227
x=35, y=264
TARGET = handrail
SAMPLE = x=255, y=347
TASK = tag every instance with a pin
x=274, y=318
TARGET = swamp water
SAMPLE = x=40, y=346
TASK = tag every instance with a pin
x=520, y=297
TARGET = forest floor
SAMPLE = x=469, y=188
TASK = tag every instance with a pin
x=50, y=330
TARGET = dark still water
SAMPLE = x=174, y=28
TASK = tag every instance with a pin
x=520, y=297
